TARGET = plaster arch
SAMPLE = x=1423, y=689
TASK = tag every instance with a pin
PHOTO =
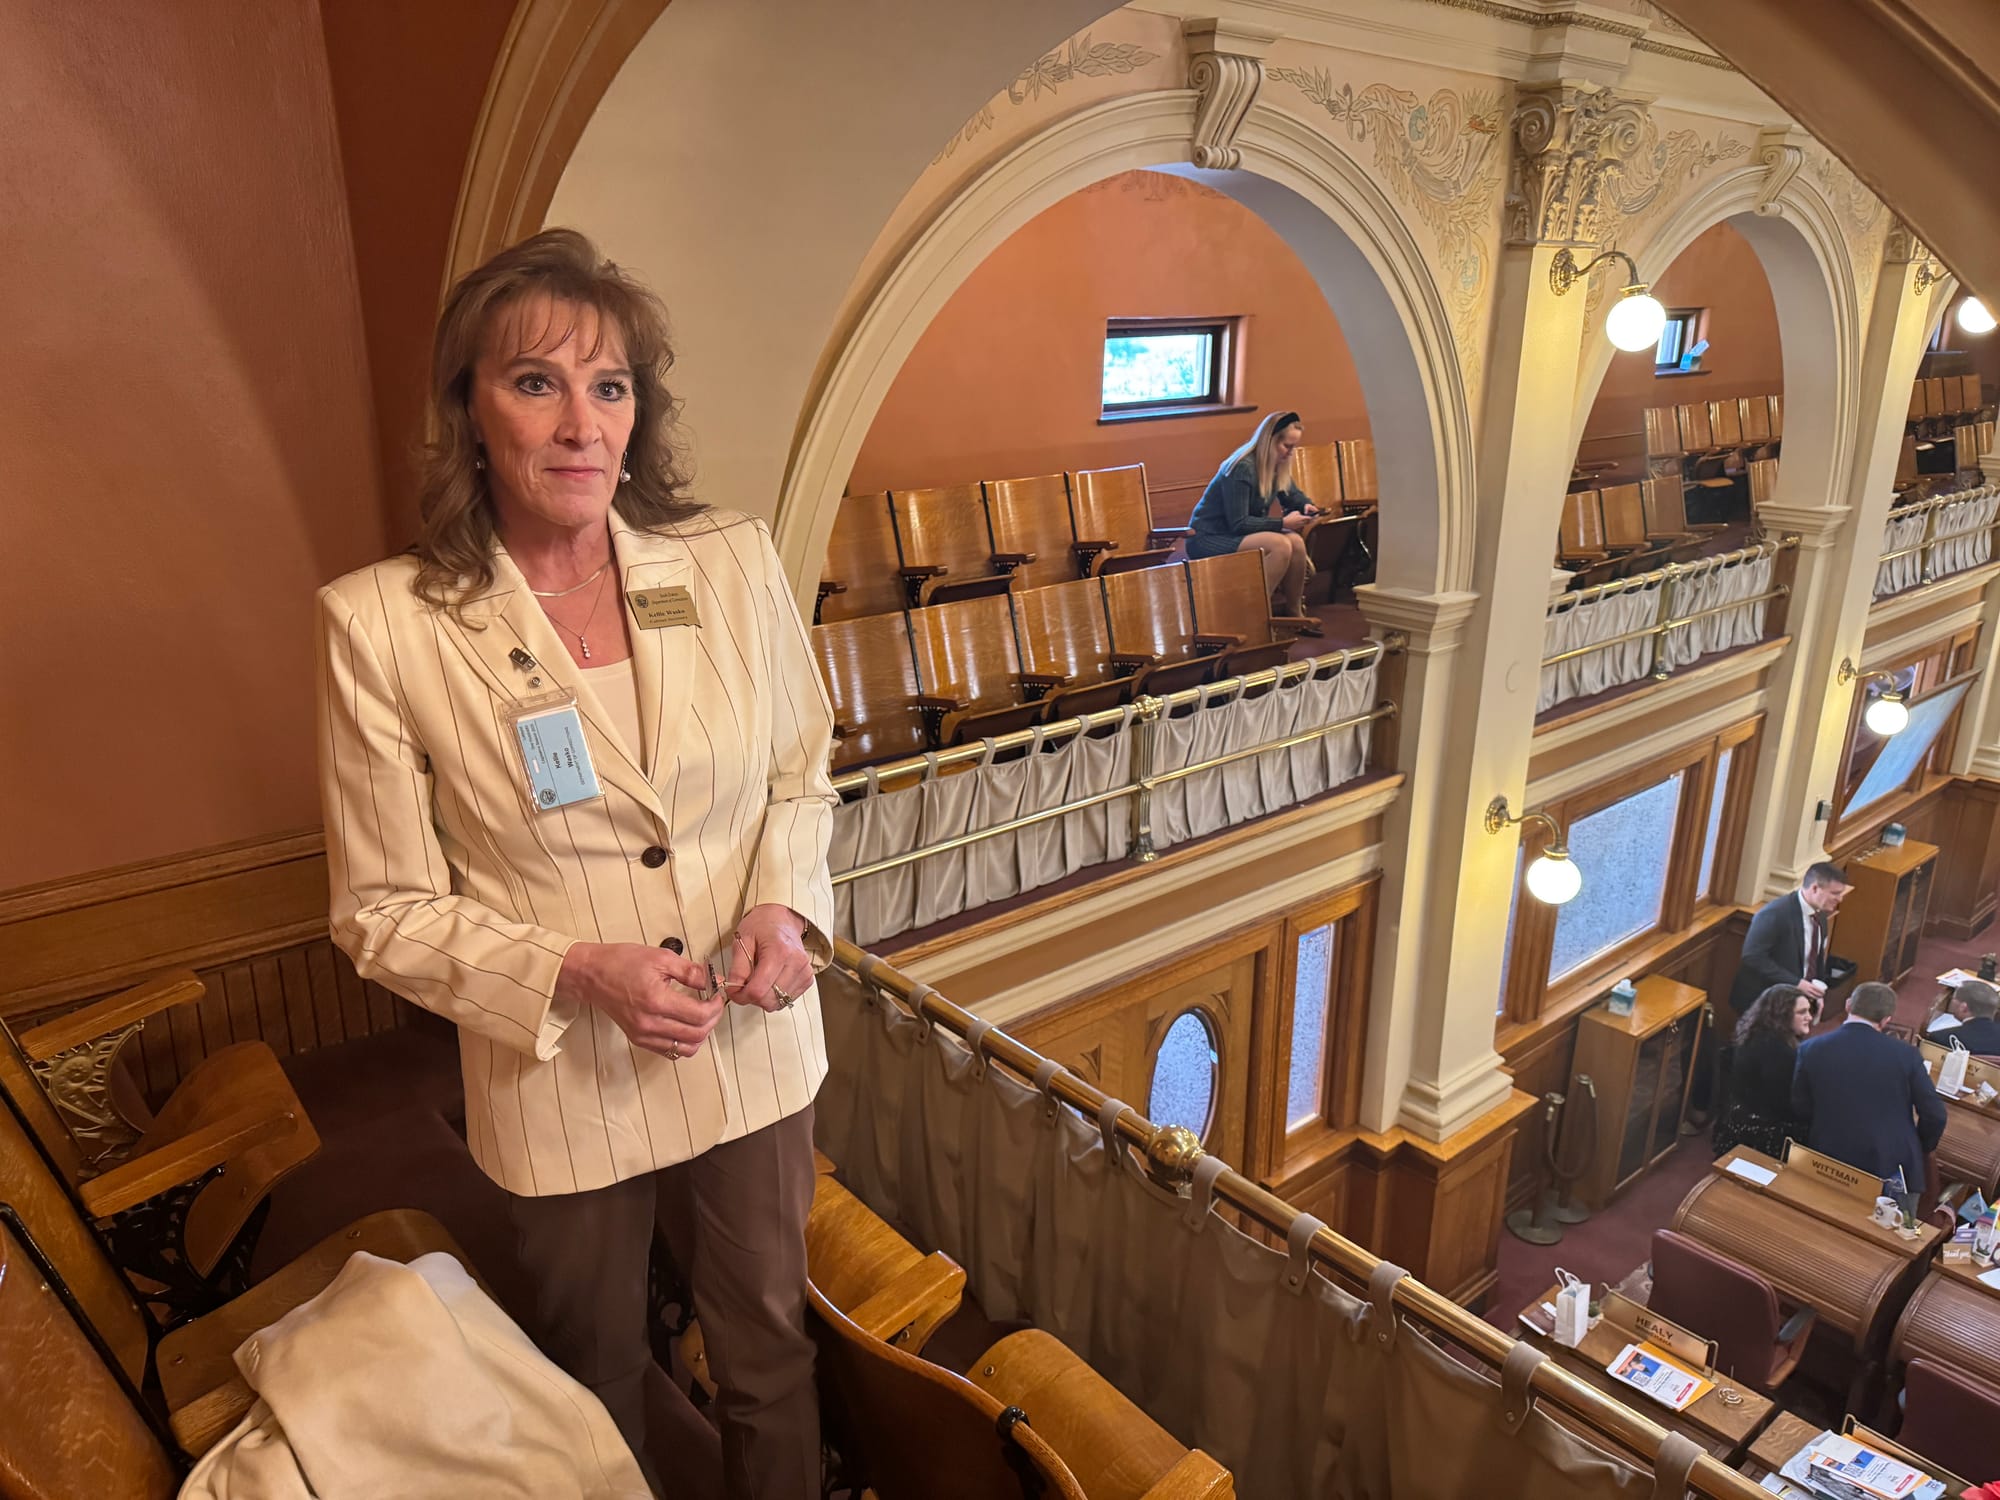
x=1350, y=237
x=1820, y=320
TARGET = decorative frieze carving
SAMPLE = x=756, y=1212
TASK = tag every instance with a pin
x=1904, y=248
x=1226, y=68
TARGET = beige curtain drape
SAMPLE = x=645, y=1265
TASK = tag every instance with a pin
x=1962, y=533
x=1300, y=1388
x=1573, y=626
x=1894, y=574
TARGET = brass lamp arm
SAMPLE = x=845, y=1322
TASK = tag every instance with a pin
x=1564, y=272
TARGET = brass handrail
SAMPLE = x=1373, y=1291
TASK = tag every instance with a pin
x=1769, y=547
x=1170, y=1157
x=1661, y=627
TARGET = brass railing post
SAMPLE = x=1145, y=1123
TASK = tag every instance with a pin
x=1147, y=712
x=1669, y=586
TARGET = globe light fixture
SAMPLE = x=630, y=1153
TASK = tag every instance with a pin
x=1552, y=876
x=1888, y=714
x=1636, y=319
x=1973, y=316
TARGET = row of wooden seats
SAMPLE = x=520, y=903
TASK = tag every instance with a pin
x=1698, y=427
x=1970, y=441
x=909, y=1429
x=1627, y=528
x=1945, y=396
x=945, y=674
x=900, y=549
x=1339, y=475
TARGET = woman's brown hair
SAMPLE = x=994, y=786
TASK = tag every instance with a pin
x=1772, y=1011
x=454, y=544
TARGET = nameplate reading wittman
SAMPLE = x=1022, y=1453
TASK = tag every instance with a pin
x=1850, y=1182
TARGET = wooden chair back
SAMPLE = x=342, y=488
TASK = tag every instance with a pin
x=1965, y=447
x=1150, y=613
x=911, y=1430
x=1937, y=402
x=1316, y=471
x=1663, y=432
x=1777, y=404
x=1112, y=505
x=52, y=1219
x=1696, y=435
x=870, y=672
x=1918, y=405
x=1033, y=516
x=1906, y=460
x=1985, y=430
x=1725, y=425
x=1229, y=597
x=67, y=1426
x=889, y=1287
x=1763, y=479
x=1972, y=393
x=965, y=650
x=1064, y=632
x=944, y=528
x=1358, y=483
x=861, y=556
x=1623, y=509
x=1754, y=418
x=1582, y=533
x=1665, y=501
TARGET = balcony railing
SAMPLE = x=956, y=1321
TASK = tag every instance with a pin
x=1935, y=538
x=1652, y=624
x=1003, y=816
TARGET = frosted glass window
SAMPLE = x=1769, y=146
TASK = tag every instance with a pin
x=1904, y=752
x=1622, y=853
x=1714, y=835
x=1310, y=997
x=1183, y=1087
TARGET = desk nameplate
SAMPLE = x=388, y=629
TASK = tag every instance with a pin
x=1976, y=1073
x=1850, y=1182
x=1953, y=1485
x=1970, y=1273
x=1647, y=1326
x=1805, y=1192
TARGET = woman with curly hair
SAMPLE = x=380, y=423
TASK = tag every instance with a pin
x=1759, y=1114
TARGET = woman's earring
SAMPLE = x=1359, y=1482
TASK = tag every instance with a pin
x=624, y=474
x=478, y=460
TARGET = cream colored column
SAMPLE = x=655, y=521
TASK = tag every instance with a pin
x=1978, y=754
x=1468, y=727
x=1806, y=727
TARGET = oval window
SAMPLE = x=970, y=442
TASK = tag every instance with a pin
x=1183, y=1087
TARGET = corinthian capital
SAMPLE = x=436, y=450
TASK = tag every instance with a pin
x=1572, y=146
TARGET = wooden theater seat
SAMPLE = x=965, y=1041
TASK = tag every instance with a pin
x=947, y=550
x=1112, y=511
x=870, y=673
x=1113, y=1448
x=1696, y=434
x=891, y=1289
x=1663, y=432
x=1664, y=500
x=1625, y=530
x=187, y=1233
x=1971, y=393
x=1777, y=405
x=1030, y=519
x=1754, y=418
x=1936, y=402
x=863, y=574
x=1580, y=536
x=969, y=678
x=1725, y=424
x=1316, y=473
x=1906, y=461
x=1763, y=480
x=1358, y=481
x=1917, y=411
x=1064, y=633
x=1153, y=634
x=1230, y=604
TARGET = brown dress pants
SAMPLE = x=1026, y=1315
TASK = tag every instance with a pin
x=735, y=1217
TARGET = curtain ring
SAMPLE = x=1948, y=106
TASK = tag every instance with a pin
x=1517, y=1374
x=1037, y=734
x=1046, y=1072
x=920, y=992
x=874, y=775
x=1201, y=1191
x=930, y=766
x=1107, y=1127
x=986, y=755
x=1298, y=1245
x=1382, y=1292
x=975, y=1042
x=1672, y=1465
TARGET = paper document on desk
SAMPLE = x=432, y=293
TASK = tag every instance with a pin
x=1784, y=1489
x=1839, y=1468
x=1749, y=1171
x=1648, y=1369
x=1951, y=979
x=1990, y=1278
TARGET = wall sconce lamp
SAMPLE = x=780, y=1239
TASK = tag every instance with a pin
x=1636, y=319
x=1552, y=876
x=1888, y=714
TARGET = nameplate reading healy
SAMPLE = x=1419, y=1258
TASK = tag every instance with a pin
x=1851, y=1182
x=1645, y=1324
x=656, y=609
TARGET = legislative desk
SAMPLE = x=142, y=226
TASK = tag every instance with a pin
x=1789, y=1433
x=1810, y=1240
x=1953, y=1319
x=1970, y=1148
x=1722, y=1421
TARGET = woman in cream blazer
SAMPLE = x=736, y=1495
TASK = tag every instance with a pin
x=577, y=940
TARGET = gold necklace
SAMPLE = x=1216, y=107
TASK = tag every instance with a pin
x=595, y=605
x=574, y=588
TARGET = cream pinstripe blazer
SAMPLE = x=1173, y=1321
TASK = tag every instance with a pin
x=451, y=890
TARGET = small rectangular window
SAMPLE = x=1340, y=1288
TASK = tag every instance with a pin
x=1682, y=342
x=1165, y=367
x=1712, y=839
x=1310, y=994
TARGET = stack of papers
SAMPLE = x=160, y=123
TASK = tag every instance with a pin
x=1839, y=1468
x=1650, y=1370
x=1951, y=979
x=1749, y=1171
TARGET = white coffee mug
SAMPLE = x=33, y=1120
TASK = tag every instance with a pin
x=1887, y=1214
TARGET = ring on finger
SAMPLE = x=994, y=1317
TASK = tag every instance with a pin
x=785, y=997
x=674, y=1051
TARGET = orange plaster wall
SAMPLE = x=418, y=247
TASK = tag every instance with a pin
x=1007, y=379
x=1721, y=272
x=185, y=409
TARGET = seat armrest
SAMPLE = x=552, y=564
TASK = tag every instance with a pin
x=102, y=1017
x=1796, y=1324
x=1125, y=663
x=936, y=703
x=843, y=731
x=924, y=570
x=909, y=1309
x=184, y=1159
x=1166, y=536
x=1036, y=686
x=1217, y=642
x=1292, y=622
x=1007, y=562
x=828, y=587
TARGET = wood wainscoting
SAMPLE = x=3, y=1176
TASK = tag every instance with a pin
x=1961, y=815
x=249, y=918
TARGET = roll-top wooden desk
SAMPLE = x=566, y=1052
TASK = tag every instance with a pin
x=1970, y=1148
x=1809, y=1243
x=1955, y=1320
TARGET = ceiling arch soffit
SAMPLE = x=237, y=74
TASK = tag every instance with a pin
x=558, y=59
x=1155, y=129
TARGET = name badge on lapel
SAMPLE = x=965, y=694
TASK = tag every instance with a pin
x=555, y=760
x=658, y=608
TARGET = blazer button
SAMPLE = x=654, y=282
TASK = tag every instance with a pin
x=673, y=945
x=654, y=857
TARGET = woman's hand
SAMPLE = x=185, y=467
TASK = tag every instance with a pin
x=659, y=999
x=768, y=966
x=1296, y=520
x=1310, y=510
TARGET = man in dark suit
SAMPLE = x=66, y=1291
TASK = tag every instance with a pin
x=1864, y=1098
x=1787, y=940
x=1978, y=1030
